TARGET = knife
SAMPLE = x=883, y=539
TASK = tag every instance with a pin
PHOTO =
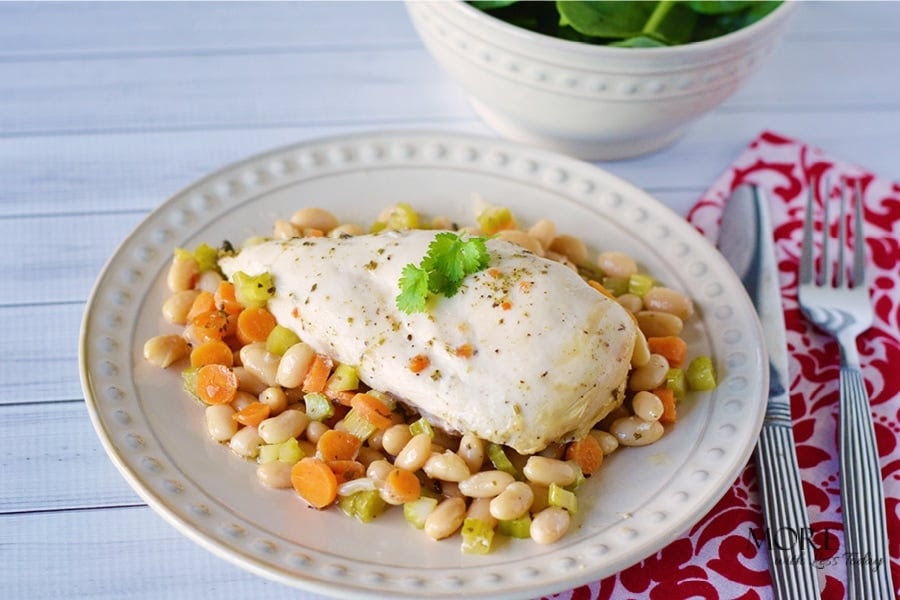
x=745, y=240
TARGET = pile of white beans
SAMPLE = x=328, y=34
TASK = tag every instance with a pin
x=456, y=467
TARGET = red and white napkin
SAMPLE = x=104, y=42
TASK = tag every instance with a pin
x=719, y=557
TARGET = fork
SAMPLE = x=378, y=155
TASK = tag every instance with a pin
x=844, y=310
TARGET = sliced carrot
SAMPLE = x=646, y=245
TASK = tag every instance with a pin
x=672, y=347
x=211, y=325
x=402, y=486
x=346, y=470
x=343, y=398
x=254, y=324
x=225, y=299
x=372, y=410
x=586, y=453
x=601, y=288
x=335, y=444
x=203, y=303
x=313, y=232
x=213, y=352
x=253, y=414
x=216, y=384
x=317, y=374
x=314, y=481
x=668, y=399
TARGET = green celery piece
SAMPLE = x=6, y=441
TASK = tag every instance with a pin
x=318, y=406
x=343, y=378
x=563, y=498
x=421, y=426
x=280, y=339
x=477, y=535
x=516, y=528
x=616, y=285
x=701, y=374
x=386, y=399
x=417, y=511
x=207, y=257
x=640, y=283
x=268, y=453
x=289, y=451
x=363, y=506
x=494, y=219
x=579, y=476
x=399, y=216
x=356, y=425
x=253, y=290
x=501, y=462
x=189, y=381
x=615, y=20
x=675, y=381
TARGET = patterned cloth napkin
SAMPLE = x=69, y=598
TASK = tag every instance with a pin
x=724, y=555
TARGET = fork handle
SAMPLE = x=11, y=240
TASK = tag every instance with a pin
x=862, y=496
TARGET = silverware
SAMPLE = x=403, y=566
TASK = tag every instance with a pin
x=745, y=240
x=844, y=310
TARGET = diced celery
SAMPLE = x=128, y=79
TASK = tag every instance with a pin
x=495, y=218
x=500, y=461
x=343, y=378
x=477, y=535
x=289, y=451
x=421, y=426
x=268, y=453
x=356, y=425
x=640, y=283
x=318, y=406
x=675, y=381
x=701, y=374
x=398, y=216
x=418, y=510
x=253, y=290
x=363, y=506
x=561, y=497
x=616, y=285
x=579, y=476
x=182, y=254
x=189, y=381
x=386, y=399
x=516, y=528
x=207, y=257
x=280, y=339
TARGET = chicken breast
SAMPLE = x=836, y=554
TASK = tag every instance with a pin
x=525, y=354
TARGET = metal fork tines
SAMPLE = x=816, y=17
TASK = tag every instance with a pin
x=840, y=306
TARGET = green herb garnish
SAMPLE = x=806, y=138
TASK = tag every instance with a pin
x=449, y=260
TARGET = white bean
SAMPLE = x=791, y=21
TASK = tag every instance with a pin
x=485, y=484
x=550, y=525
x=246, y=442
x=182, y=272
x=513, y=502
x=447, y=466
x=208, y=281
x=284, y=230
x=608, y=441
x=471, y=449
x=261, y=363
x=395, y=438
x=520, y=238
x=480, y=508
x=281, y=428
x=670, y=301
x=220, y=422
x=312, y=217
x=242, y=400
x=446, y=518
x=634, y=431
x=378, y=471
x=544, y=231
x=641, y=353
x=275, y=398
x=647, y=406
x=177, y=306
x=631, y=302
x=247, y=381
x=275, y=474
x=314, y=431
x=655, y=323
x=345, y=230
x=294, y=365
x=163, y=350
x=649, y=376
x=616, y=264
x=415, y=453
x=571, y=247
x=545, y=471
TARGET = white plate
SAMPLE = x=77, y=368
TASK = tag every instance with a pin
x=642, y=499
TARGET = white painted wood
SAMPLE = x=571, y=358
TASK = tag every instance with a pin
x=107, y=109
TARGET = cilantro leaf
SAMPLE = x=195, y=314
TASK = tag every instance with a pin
x=448, y=261
x=413, y=289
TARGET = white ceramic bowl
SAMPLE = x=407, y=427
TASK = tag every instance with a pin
x=593, y=102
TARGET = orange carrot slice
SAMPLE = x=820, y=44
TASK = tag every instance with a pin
x=254, y=324
x=402, y=486
x=225, y=299
x=216, y=384
x=372, y=410
x=253, y=414
x=586, y=453
x=317, y=375
x=211, y=325
x=672, y=347
x=346, y=470
x=314, y=481
x=667, y=396
x=203, y=303
x=213, y=352
x=335, y=444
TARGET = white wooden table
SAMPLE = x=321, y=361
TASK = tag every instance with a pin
x=108, y=109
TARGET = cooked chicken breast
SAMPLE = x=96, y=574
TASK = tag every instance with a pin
x=525, y=353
